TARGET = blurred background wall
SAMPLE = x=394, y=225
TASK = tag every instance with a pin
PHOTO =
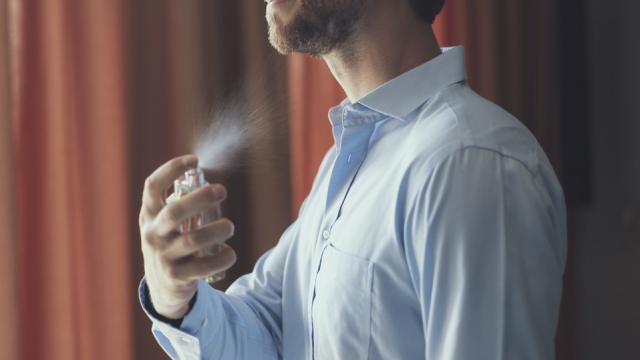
x=96, y=94
x=606, y=230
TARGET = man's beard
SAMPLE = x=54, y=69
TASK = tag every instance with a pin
x=317, y=28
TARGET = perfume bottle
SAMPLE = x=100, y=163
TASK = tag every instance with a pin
x=193, y=180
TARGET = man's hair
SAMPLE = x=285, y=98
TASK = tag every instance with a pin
x=427, y=10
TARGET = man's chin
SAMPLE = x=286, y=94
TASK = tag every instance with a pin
x=277, y=39
x=280, y=48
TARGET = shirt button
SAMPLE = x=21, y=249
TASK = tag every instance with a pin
x=185, y=339
x=205, y=322
x=326, y=234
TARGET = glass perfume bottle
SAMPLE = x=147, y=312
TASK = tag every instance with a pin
x=193, y=180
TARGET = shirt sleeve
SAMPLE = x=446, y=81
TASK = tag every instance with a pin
x=484, y=242
x=243, y=323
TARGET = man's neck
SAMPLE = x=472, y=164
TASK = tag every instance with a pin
x=383, y=47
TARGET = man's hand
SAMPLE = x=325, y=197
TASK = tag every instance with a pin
x=171, y=268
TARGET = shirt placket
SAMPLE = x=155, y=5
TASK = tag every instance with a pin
x=352, y=150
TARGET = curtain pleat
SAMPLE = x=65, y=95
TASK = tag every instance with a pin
x=9, y=334
x=71, y=164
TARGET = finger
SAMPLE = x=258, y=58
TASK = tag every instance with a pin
x=173, y=197
x=187, y=244
x=194, y=204
x=196, y=267
x=161, y=179
x=212, y=214
x=145, y=214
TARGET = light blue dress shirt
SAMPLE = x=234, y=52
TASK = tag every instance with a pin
x=435, y=229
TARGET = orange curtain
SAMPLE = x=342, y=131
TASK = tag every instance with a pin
x=9, y=348
x=68, y=115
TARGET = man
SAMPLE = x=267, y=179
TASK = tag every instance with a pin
x=435, y=228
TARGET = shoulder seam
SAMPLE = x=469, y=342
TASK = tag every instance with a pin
x=448, y=154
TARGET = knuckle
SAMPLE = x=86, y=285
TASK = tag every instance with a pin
x=220, y=190
x=150, y=183
x=173, y=212
x=145, y=215
x=146, y=211
x=212, y=193
x=147, y=236
x=142, y=218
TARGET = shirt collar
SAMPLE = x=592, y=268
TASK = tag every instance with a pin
x=400, y=96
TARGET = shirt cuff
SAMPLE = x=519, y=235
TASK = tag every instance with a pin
x=206, y=302
x=148, y=305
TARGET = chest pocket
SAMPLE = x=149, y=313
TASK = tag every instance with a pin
x=342, y=306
